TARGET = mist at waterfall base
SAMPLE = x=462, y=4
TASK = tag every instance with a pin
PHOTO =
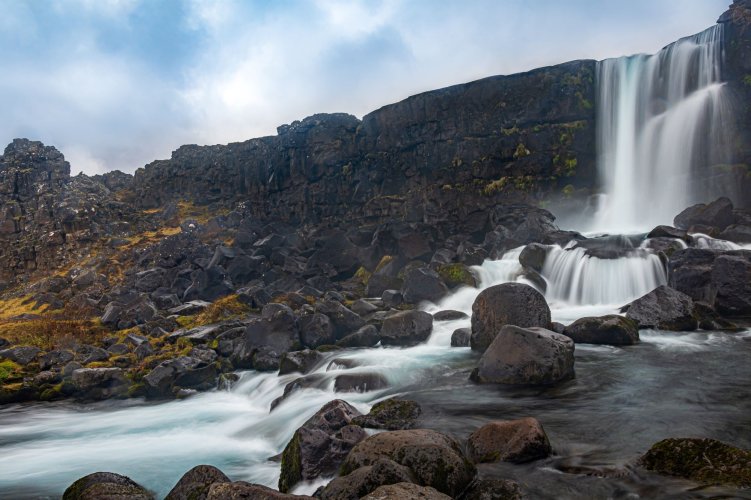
x=660, y=118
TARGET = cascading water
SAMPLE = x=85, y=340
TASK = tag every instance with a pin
x=659, y=118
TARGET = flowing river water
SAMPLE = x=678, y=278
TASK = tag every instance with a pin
x=621, y=401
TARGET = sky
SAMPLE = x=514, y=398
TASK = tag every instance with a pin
x=116, y=84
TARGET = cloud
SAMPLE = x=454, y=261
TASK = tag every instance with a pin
x=118, y=83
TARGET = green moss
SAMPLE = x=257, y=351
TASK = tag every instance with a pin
x=385, y=260
x=347, y=169
x=570, y=166
x=747, y=80
x=328, y=348
x=568, y=190
x=495, y=186
x=291, y=472
x=362, y=275
x=521, y=151
x=510, y=131
x=9, y=370
x=706, y=461
x=456, y=274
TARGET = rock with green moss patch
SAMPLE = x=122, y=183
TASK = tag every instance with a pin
x=705, y=461
x=391, y=414
x=457, y=274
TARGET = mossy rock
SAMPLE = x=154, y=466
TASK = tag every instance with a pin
x=457, y=275
x=392, y=414
x=328, y=348
x=705, y=461
x=291, y=470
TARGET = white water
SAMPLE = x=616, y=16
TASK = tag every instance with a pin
x=659, y=117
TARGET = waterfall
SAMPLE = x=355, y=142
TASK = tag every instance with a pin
x=659, y=118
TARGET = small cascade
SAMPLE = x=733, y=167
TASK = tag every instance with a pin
x=578, y=279
x=659, y=118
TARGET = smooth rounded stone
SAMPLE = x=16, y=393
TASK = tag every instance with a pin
x=557, y=327
x=364, y=480
x=195, y=483
x=435, y=459
x=391, y=414
x=360, y=382
x=526, y=356
x=367, y=336
x=23, y=355
x=533, y=256
x=506, y=304
x=316, y=330
x=705, y=461
x=405, y=491
x=493, y=489
x=299, y=361
x=669, y=232
x=320, y=445
x=611, y=329
x=663, y=308
x=240, y=490
x=517, y=441
x=460, y=337
x=449, y=315
x=406, y=328
x=101, y=485
x=392, y=298
x=423, y=284
x=99, y=383
x=343, y=320
x=362, y=307
x=342, y=364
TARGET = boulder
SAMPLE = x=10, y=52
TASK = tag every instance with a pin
x=533, y=256
x=731, y=277
x=517, y=441
x=460, y=337
x=449, y=315
x=99, y=383
x=240, y=490
x=406, y=491
x=705, y=461
x=299, y=361
x=406, y=328
x=611, y=329
x=360, y=382
x=392, y=298
x=275, y=333
x=669, y=232
x=718, y=214
x=183, y=372
x=526, y=356
x=316, y=330
x=506, y=304
x=55, y=359
x=101, y=485
x=421, y=284
x=320, y=445
x=23, y=355
x=363, y=307
x=195, y=483
x=367, y=336
x=737, y=233
x=493, y=489
x=391, y=414
x=665, y=309
x=364, y=480
x=343, y=320
x=317, y=380
x=456, y=275
x=379, y=283
x=435, y=459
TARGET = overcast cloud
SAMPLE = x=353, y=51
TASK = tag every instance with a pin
x=115, y=84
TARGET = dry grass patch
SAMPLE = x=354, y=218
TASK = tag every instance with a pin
x=49, y=333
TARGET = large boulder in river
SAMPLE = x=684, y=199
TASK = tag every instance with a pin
x=516, y=441
x=611, y=329
x=195, y=483
x=731, y=277
x=421, y=284
x=526, y=356
x=705, y=461
x=506, y=304
x=275, y=333
x=183, y=372
x=435, y=459
x=106, y=485
x=665, y=309
x=320, y=445
x=406, y=328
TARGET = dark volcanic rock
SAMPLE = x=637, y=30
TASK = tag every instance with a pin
x=526, y=356
x=320, y=445
x=240, y=490
x=392, y=414
x=99, y=383
x=533, y=256
x=360, y=382
x=182, y=372
x=435, y=459
x=367, y=336
x=423, y=284
x=316, y=330
x=299, y=361
x=515, y=441
x=663, y=308
x=195, y=483
x=610, y=330
x=460, y=337
x=406, y=491
x=705, y=461
x=23, y=355
x=506, y=304
x=406, y=328
x=364, y=480
x=106, y=485
x=493, y=489
x=718, y=214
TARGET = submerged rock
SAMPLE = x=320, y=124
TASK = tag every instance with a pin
x=506, y=304
x=526, y=356
x=705, y=461
x=516, y=441
x=609, y=330
x=460, y=337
